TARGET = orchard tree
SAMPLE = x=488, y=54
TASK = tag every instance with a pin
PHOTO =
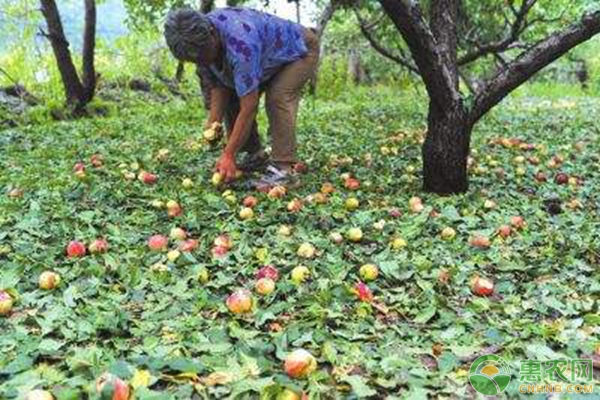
x=78, y=92
x=441, y=41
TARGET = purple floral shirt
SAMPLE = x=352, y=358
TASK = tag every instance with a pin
x=256, y=46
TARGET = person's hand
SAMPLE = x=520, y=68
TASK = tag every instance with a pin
x=226, y=167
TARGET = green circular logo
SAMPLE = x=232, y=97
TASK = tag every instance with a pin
x=489, y=375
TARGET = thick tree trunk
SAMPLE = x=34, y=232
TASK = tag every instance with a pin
x=446, y=150
x=60, y=47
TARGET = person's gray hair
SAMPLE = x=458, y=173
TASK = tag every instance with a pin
x=187, y=32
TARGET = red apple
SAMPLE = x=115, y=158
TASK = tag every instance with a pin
x=482, y=286
x=173, y=209
x=223, y=241
x=504, y=231
x=363, y=292
x=219, y=251
x=518, y=222
x=97, y=160
x=294, y=205
x=79, y=167
x=98, y=246
x=561, y=178
x=300, y=168
x=158, y=243
x=75, y=249
x=250, y=202
x=395, y=213
x=352, y=184
x=188, y=245
x=6, y=303
x=147, y=178
x=109, y=386
x=540, y=177
x=240, y=301
x=480, y=242
x=268, y=271
x=299, y=364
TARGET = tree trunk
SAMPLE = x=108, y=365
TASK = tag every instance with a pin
x=446, y=150
x=89, y=46
x=60, y=47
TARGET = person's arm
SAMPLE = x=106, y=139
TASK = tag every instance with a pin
x=219, y=97
x=243, y=123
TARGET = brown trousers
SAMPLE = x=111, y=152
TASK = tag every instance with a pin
x=282, y=97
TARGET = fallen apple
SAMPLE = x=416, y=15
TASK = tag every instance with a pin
x=158, y=243
x=398, y=244
x=368, y=272
x=504, y=231
x=240, y=301
x=481, y=242
x=518, y=222
x=300, y=274
x=178, y=234
x=379, y=225
x=319, y=198
x=482, y=286
x=351, y=204
x=294, y=205
x=173, y=209
x=289, y=394
x=79, y=167
x=76, y=249
x=489, y=204
x=561, y=178
x=285, y=230
x=219, y=251
x=306, y=250
x=327, y=188
x=217, y=179
x=16, y=193
x=173, y=255
x=363, y=292
x=147, y=178
x=187, y=183
x=6, y=303
x=109, y=386
x=39, y=394
x=98, y=246
x=299, y=364
x=265, y=286
x=49, y=280
x=352, y=184
x=268, y=271
x=229, y=197
x=203, y=275
x=246, y=213
x=395, y=213
x=250, y=202
x=223, y=241
x=97, y=160
x=354, y=235
x=188, y=245
x=448, y=233
x=336, y=237
x=277, y=192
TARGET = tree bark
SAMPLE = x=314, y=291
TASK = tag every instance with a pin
x=446, y=150
x=89, y=46
x=60, y=47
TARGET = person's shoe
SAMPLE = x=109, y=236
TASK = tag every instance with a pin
x=253, y=162
x=275, y=176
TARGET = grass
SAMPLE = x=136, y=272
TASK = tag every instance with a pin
x=171, y=336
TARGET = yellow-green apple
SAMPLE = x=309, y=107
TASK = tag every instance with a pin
x=49, y=280
x=178, y=234
x=300, y=274
x=162, y=154
x=173, y=209
x=6, y=303
x=398, y=243
x=448, y=233
x=173, y=255
x=246, y=213
x=285, y=230
x=369, y=272
x=306, y=250
x=379, y=225
x=39, y=394
x=489, y=204
x=336, y=237
x=187, y=183
x=354, y=234
x=223, y=241
x=299, y=364
x=351, y=204
x=217, y=179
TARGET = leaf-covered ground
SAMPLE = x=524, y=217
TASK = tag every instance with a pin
x=155, y=324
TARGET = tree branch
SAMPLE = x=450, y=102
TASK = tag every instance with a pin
x=530, y=62
x=399, y=59
x=516, y=29
x=408, y=19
